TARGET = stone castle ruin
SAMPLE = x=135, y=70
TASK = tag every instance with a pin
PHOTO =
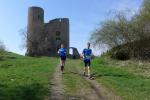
x=44, y=39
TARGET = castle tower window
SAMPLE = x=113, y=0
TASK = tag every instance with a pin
x=38, y=17
x=58, y=38
x=57, y=33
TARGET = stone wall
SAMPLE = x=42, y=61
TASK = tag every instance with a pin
x=44, y=39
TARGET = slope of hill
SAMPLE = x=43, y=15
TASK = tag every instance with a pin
x=25, y=78
x=129, y=79
x=28, y=78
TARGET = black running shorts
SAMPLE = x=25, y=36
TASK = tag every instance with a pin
x=87, y=63
x=63, y=58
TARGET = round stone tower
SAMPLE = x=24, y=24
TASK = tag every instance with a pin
x=34, y=29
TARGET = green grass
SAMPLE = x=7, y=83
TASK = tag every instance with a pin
x=25, y=78
x=122, y=80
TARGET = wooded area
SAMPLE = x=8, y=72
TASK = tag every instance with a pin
x=129, y=35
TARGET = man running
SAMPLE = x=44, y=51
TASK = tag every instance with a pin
x=63, y=53
x=87, y=53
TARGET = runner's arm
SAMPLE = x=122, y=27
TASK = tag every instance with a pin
x=83, y=55
x=58, y=51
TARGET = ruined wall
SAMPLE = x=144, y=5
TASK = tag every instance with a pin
x=57, y=32
x=46, y=37
x=65, y=32
x=75, y=54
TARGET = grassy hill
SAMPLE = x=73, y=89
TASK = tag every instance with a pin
x=28, y=78
x=25, y=78
x=129, y=79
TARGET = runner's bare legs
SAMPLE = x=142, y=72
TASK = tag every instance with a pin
x=62, y=64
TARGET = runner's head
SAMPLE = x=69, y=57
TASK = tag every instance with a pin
x=88, y=45
x=62, y=45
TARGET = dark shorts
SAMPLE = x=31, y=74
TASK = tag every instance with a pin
x=63, y=58
x=87, y=63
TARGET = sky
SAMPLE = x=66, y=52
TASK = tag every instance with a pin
x=84, y=17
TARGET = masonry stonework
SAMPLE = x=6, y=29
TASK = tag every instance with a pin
x=44, y=39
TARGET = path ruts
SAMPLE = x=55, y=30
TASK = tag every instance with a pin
x=56, y=91
x=91, y=91
x=100, y=92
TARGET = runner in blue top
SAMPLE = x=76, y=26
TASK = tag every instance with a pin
x=63, y=53
x=87, y=53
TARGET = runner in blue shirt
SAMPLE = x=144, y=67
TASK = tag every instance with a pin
x=87, y=53
x=62, y=53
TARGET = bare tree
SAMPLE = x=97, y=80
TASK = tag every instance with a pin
x=2, y=49
x=2, y=46
x=23, y=34
x=27, y=40
x=32, y=42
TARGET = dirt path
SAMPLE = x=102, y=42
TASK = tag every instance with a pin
x=100, y=93
x=86, y=89
x=56, y=91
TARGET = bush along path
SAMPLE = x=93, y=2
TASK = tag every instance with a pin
x=72, y=85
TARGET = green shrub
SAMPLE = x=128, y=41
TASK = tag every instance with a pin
x=121, y=54
x=1, y=54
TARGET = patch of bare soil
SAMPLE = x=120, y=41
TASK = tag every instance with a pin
x=56, y=91
x=94, y=90
x=98, y=92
